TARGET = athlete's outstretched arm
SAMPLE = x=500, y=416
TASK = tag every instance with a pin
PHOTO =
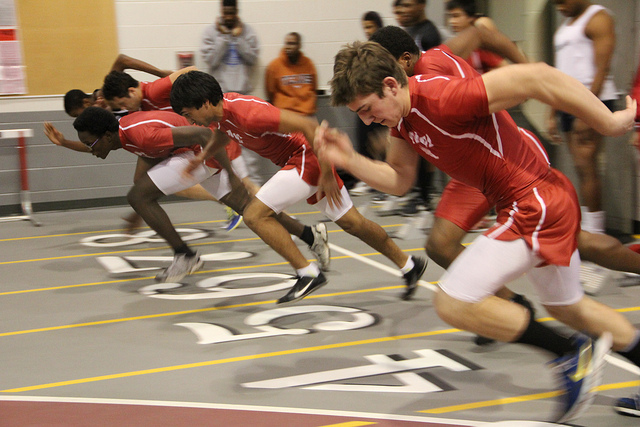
x=124, y=62
x=58, y=138
x=514, y=84
x=480, y=37
x=395, y=176
x=293, y=122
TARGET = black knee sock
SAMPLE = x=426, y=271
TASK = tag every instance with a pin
x=184, y=249
x=307, y=235
x=633, y=351
x=540, y=336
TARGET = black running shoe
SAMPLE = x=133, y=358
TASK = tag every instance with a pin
x=412, y=277
x=303, y=287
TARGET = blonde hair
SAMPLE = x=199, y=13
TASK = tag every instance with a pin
x=359, y=70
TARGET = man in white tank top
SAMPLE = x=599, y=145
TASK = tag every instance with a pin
x=584, y=46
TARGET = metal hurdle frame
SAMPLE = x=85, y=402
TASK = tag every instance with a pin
x=25, y=195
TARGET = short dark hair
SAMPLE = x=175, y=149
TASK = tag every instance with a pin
x=117, y=84
x=469, y=6
x=97, y=121
x=230, y=3
x=193, y=89
x=373, y=17
x=396, y=40
x=74, y=99
x=297, y=36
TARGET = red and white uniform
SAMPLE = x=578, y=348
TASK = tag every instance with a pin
x=149, y=134
x=254, y=124
x=449, y=124
x=460, y=203
x=156, y=95
x=483, y=60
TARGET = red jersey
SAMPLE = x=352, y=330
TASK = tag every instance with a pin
x=483, y=60
x=254, y=124
x=148, y=134
x=450, y=125
x=156, y=95
x=635, y=94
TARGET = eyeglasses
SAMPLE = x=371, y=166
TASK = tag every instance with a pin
x=94, y=143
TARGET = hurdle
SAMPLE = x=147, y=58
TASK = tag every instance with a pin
x=25, y=196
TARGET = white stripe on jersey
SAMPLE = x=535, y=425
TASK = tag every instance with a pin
x=477, y=137
x=498, y=138
x=462, y=74
x=536, y=142
x=143, y=122
x=504, y=227
x=259, y=101
x=534, y=237
x=304, y=157
x=155, y=107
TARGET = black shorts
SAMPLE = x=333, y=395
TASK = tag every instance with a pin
x=566, y=120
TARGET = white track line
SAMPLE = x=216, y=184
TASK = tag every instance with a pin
x=622, y=364
x=420, y=419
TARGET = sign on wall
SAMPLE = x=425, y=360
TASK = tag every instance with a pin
x=12, y=70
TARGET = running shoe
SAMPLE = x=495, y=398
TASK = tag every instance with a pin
x=181, y=266
x=629, y=406
x=360, y=189
x=320, y=246
x=580, y=374
x=303, y=287
x=411, y=278
x=234, y=219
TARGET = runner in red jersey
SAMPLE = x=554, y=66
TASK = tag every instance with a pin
x=124, y=92
x=281, y=136
x=165, y=144
x=459, y=124
x=462, y=206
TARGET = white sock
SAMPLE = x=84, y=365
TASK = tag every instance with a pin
x=593, y=222
x=408, y=266
x=310, y=270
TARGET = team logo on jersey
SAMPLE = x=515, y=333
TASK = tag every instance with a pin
x=424, y=142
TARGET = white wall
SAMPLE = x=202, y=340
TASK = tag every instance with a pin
x=155, y=30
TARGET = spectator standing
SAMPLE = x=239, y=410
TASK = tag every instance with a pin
x=230, y=48
x=371, y=138
x=584, y=46
x=371, y=22
x=462, y=14
x=291, y=79
x=412, y=18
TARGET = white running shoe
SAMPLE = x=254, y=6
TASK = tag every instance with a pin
x=320, y=246
x=180, y=267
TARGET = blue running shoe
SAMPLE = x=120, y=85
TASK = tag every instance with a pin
x=234, y=220
x=580, y=374
x=629, y=406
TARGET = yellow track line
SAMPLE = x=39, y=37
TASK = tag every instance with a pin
x=247, y=239
x=80, y=233
x=520, y=399
x=230, y=360
x=108, y=282
x=183, y=312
